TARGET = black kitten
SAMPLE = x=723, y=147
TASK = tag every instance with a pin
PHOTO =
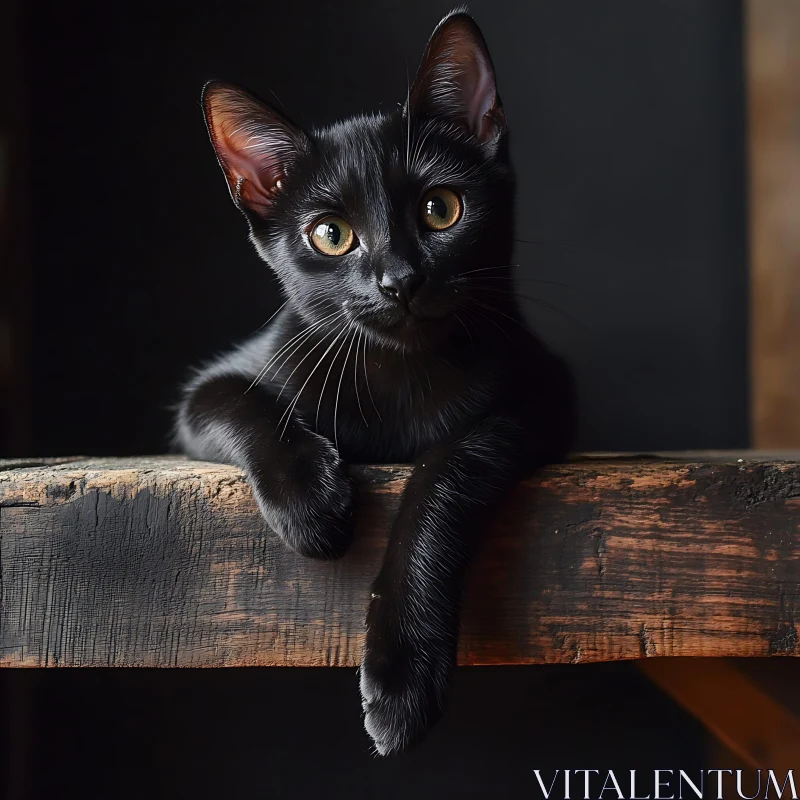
x=400, y=340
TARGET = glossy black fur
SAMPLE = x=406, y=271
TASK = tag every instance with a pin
x=453, y=382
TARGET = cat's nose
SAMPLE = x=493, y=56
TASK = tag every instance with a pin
x=401, y=286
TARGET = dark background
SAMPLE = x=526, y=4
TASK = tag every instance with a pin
x=627, y=123
x=130, y=264
x=295, y=734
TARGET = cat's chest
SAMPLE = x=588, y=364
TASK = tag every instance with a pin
x=380, y=407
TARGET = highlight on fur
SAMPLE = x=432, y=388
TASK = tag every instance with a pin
x=405, y=344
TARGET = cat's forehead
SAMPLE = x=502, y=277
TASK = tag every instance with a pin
x=393, y=151
x=364, y=143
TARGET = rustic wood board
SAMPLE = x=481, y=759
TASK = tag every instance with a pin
x=166, y=562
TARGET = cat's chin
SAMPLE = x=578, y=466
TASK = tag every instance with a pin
x=409, y=332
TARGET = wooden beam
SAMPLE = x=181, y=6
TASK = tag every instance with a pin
x=166, y=562
x=773, y=87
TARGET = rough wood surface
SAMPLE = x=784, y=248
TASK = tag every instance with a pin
x=166, y=562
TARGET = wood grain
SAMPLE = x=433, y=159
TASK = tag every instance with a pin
x=166, y=562
x=773, y=87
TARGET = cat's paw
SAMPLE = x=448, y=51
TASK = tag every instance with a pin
x=307, y=501
x=403, y=692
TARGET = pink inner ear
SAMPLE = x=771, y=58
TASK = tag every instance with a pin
x=253, y=143
x=480, y=99
x=252, y=167
x=456, y=79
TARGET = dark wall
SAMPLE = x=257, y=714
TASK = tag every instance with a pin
x=627, y=125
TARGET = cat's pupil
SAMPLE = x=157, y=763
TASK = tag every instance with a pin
x=333, y=234
x=437, y=207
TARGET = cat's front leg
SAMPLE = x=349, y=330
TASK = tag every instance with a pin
x=412, y=623
x=298, y=479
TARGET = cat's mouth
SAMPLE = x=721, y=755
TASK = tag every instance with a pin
x=397, y=317
x=405, y=325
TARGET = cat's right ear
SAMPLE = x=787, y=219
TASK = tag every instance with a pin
x=456, y=80
x=256, y=146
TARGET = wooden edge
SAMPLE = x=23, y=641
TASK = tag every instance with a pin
x=8, y=464
x=681, y=456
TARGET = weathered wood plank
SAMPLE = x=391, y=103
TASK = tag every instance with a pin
x=166, y=562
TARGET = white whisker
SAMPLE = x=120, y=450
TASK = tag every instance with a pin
x=486, y=269
x=500, y=328
x=366, y=379
x=308, y=335
x=299, y=363
x=290, y=408
x=339, y=388
x=279, y=309
x=463, y=325
x=408, y=123
x=282, y=349
x=355, y=376
x=328, y=374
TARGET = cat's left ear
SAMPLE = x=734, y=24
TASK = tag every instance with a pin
x=256, y=146
x=456, y=80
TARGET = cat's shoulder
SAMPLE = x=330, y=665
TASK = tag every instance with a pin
x=249, y=357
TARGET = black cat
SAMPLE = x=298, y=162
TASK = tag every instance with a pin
x=400, y=340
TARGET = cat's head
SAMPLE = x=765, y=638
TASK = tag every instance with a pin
x=372, y=223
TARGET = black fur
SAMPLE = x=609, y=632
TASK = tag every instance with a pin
x=410, y=347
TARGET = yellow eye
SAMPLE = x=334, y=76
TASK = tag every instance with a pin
x=441, y=208
x=332, y=236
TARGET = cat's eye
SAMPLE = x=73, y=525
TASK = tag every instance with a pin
x=441, y=208
x=332, y=236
